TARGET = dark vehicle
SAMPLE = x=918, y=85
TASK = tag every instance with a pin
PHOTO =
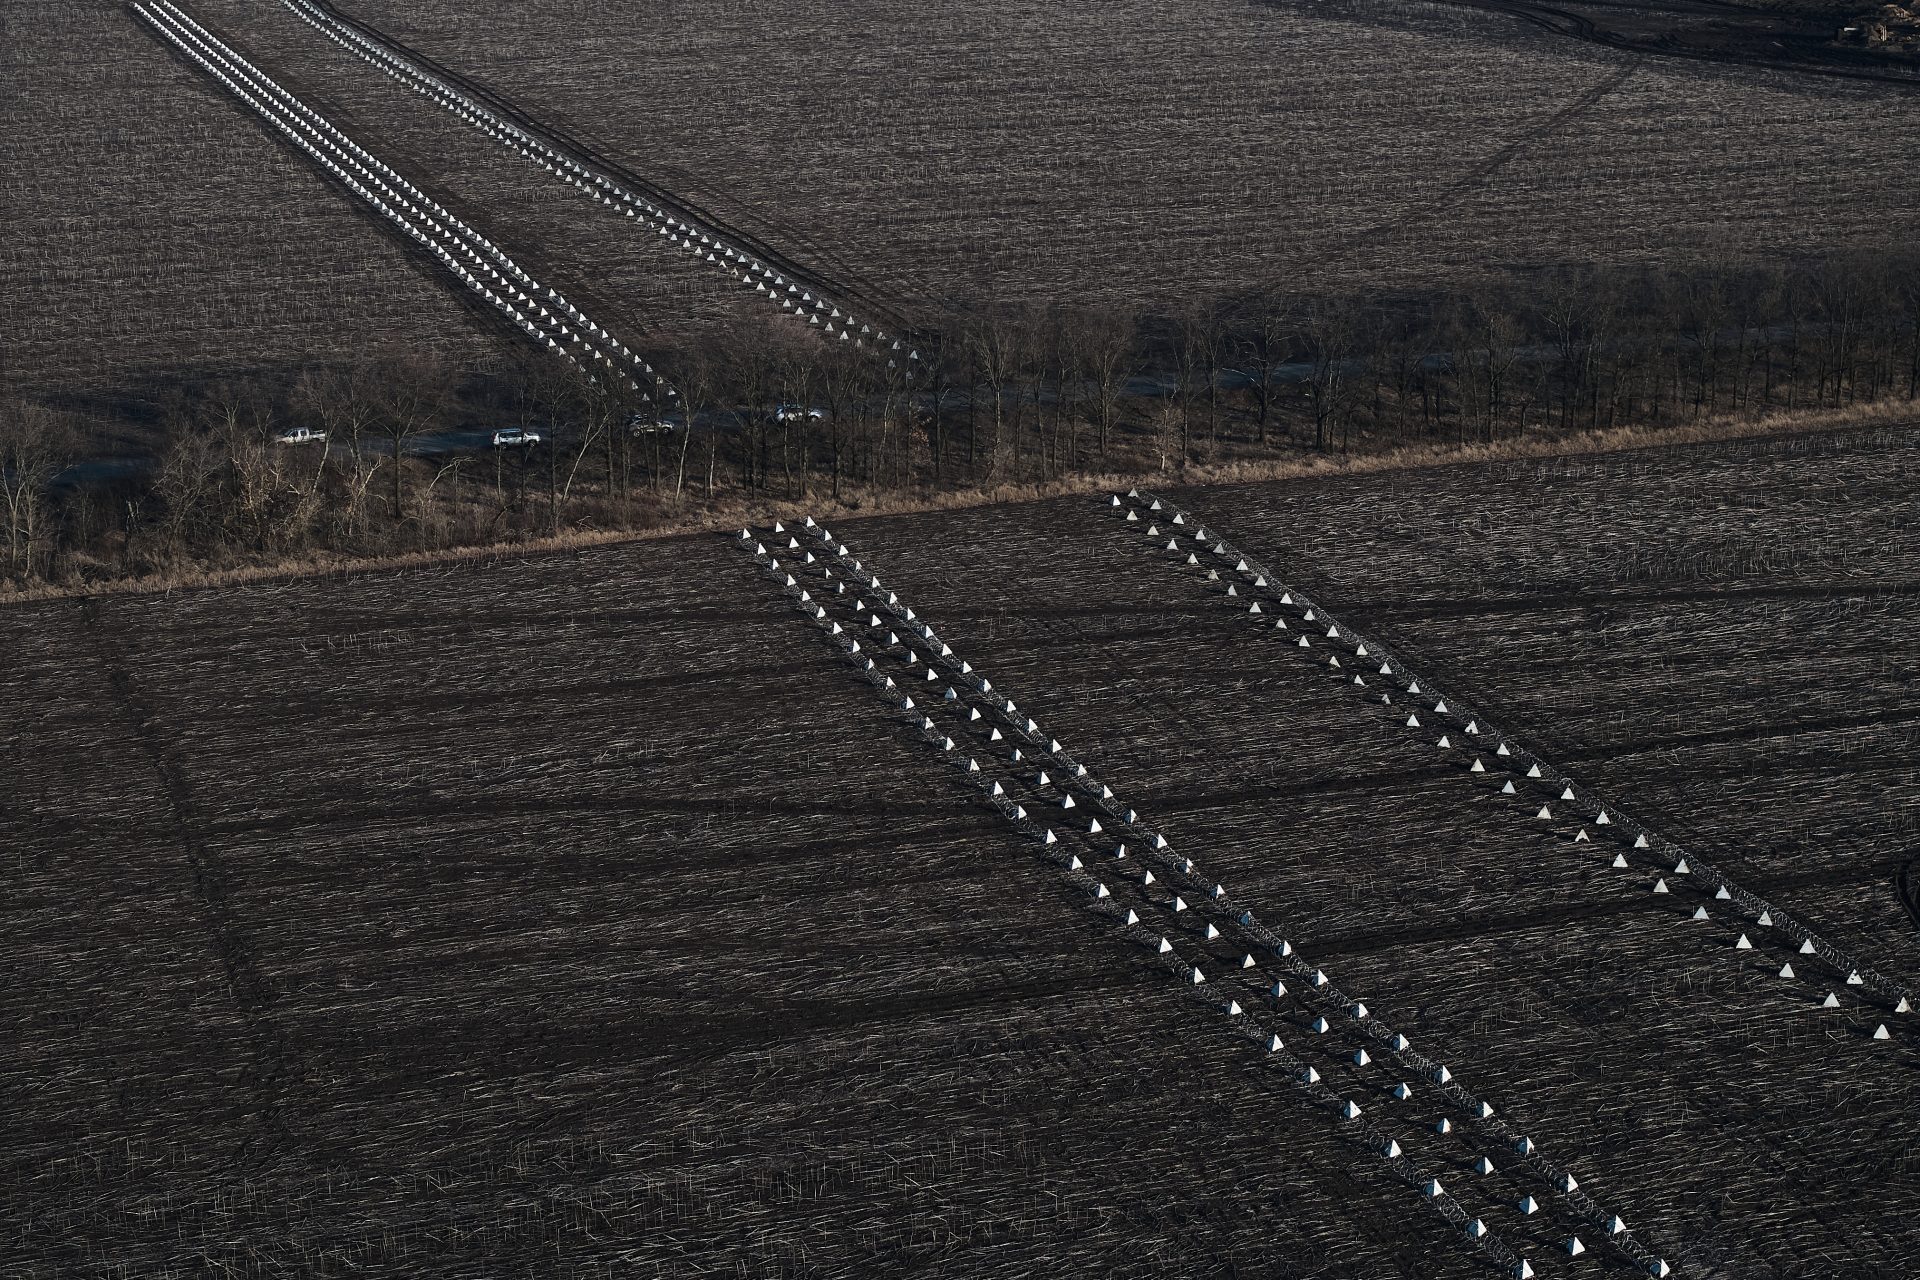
x=646, y=424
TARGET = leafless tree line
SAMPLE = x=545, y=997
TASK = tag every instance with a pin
x=1001, y=395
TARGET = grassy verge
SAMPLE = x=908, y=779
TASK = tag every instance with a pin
x=732, y=514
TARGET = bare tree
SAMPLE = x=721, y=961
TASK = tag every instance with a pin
x=1264, y=336
x=34, y=448
x=412, y=391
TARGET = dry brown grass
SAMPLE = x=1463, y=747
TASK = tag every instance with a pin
x=732, y=513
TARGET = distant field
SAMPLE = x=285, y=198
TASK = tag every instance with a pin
x=587, y=913
x=1135, y=156
x=154, y=235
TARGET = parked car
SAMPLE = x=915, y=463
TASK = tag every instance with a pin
x=515, y=438
x=797, y=413
x=300, y=435
x=646, y=424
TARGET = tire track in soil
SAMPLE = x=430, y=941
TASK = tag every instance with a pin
x=1907, y=882
x=1486, y=925
x=1576, y=26
x=1412, y=609
x=265, y=1076
x=1479, y=173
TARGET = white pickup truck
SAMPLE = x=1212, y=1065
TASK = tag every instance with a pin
x=301, y=435
x=515, y=438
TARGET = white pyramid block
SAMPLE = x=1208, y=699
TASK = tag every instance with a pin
x=1528, y=1205
x=1806, y=948
x=1881, y=1033
x=1350, y=1110
x=1699, y=913
x=1620, y=861
x=1545, y=814
x=1233, y=1008
x=1392, y=1150
x=1477, y=767
x=1681, y=868
x=1831, y=1002
x=1574, y=1247
x=1854, y=979
x=1403, y=1091
x=1198, y=977
x=1446, y=740
x=1246, y=961
x=1905, y=1006
x=1433, y=1188
x=1582, y=838
x=1766, y=920
x=1533, y=771
x=1310, y=1076
x=1165, y=946
x=1786, y=970
x=1131, y=917
x=1361, y=1057
x=1507, y=789
x=1483, y=1166
x=1099, y=890
x=1640, y=842
x=1722, y=895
